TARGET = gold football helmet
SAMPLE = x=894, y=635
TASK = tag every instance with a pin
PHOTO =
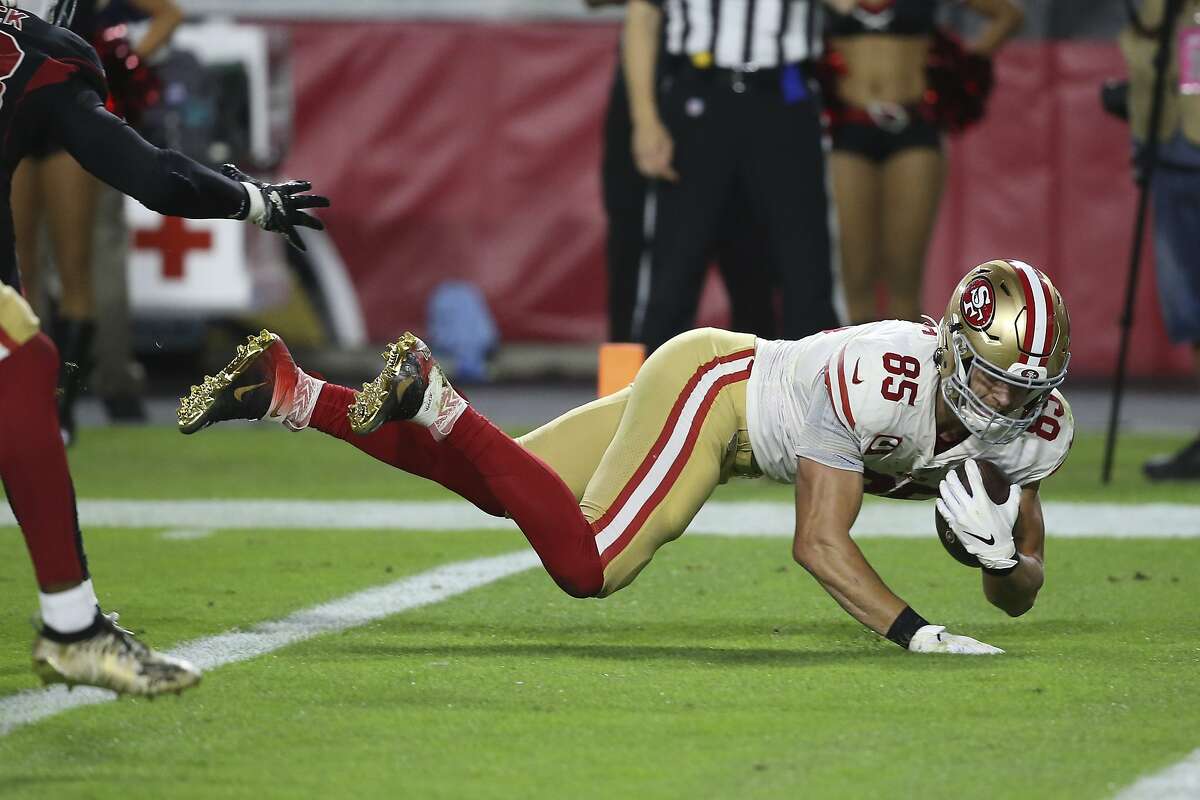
x=1007, y=320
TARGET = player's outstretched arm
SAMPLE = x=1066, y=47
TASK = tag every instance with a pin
x=1016, y=592
x=164, y=180
x=827, y=502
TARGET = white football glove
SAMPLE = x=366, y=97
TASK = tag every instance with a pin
x=984, y=528
x=935, y=639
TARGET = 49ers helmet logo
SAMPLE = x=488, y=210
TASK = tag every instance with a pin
x=978, y=303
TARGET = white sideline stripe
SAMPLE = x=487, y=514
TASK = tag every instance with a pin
x=187, y=534
x=232, y=646
x=892, y=519
x=914, y=520
x=671, y=453
x=1180, y=781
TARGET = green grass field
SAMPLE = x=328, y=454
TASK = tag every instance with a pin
x=723, y=672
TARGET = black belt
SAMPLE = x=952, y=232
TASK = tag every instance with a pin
x=737, y=78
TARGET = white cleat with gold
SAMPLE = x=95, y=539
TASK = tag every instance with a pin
x=111, y=658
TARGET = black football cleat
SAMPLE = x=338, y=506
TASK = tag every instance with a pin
x=1182, y=466
x=411, y=387
x=257, y=383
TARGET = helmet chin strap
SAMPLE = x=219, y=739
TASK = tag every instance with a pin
x=944, y=413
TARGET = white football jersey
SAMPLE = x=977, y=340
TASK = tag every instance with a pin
x=863, y=398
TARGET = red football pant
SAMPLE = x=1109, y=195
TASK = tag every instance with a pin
x=33, y=464
x=483, y=464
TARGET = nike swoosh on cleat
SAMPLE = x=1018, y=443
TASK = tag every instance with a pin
x=989, y=540
x=855, y=379
x=241, y=391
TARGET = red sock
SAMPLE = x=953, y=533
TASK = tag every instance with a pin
x=405, y=446
x=537, y=499
x=33, y=463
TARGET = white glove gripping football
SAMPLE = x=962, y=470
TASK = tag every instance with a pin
x=935, y=639
x=984, y=528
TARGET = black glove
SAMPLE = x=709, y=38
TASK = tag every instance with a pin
x=277, y=208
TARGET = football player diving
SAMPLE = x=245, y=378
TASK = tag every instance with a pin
x=52, y=86
x=887, y=408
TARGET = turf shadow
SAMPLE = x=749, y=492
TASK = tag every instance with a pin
x=716, y=656
x=11, y=786
x=625, y=630
x=1033, y=628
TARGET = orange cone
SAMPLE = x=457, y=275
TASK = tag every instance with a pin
x=619, y=362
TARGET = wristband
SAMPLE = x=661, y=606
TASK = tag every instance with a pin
x=906, y=624
x=255, y=208
x=244, y=209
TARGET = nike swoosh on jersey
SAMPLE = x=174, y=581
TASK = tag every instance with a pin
x=241, y=391
x=855, y=379
x=989, y=540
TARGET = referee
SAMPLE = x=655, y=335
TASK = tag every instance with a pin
x=739, y=252
x=731, y=115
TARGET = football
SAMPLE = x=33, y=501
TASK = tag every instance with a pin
x=996, y=483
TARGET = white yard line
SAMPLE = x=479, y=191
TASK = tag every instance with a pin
x=187, y=534
x=719, y=518
x=1180, y=781
x=352, y=611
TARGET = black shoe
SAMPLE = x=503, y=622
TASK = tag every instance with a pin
x=261, y=370
x=74, y=339
x=127, y=408
x=411, y=387
x=1183, y=466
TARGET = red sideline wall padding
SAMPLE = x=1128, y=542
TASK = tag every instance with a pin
x=471, y=151
x=1046, y=178
x=461, y=151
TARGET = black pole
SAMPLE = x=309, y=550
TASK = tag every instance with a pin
x=1148, y=162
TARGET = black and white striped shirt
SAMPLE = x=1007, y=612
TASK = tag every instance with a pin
x=741, y=33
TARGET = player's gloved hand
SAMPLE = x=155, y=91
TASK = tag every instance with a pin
x=276, y=207
x=984, y=528
x=935, y=639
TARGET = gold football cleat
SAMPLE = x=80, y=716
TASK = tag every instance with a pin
x=112, y=658
x=406, y=366
x=231, y=393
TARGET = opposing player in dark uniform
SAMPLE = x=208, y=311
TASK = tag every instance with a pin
x=52, y=87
